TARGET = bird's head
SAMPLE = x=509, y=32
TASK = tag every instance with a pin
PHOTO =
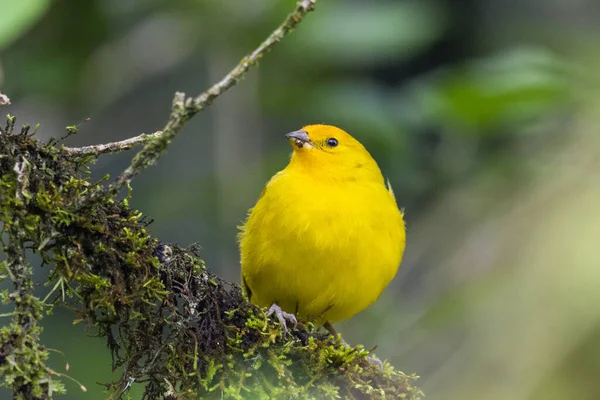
x=332, y=152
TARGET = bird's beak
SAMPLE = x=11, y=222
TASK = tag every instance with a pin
x=300, y=138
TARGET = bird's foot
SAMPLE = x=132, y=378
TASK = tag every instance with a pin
x=282, y=316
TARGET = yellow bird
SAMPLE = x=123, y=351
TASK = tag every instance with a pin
x=326, y=235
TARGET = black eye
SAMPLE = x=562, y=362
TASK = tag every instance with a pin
x=332, y=142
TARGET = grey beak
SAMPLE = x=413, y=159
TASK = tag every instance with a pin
x=299, y=137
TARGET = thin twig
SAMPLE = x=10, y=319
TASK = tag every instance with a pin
x=233, y=77
x=113, y=147
x=184, y=108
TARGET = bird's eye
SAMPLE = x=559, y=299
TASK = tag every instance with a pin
x=332, y=142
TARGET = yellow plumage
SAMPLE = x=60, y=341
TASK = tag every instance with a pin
x=326, y=236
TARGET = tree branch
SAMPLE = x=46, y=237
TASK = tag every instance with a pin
x=112, y=147
x=184, y=108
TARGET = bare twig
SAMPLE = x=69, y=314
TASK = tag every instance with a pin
x=184, y=108
x=113, y=147
x=233, y=77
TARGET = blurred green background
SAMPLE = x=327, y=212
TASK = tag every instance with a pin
x=482, y=113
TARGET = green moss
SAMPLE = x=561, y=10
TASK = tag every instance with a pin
x=169, y=323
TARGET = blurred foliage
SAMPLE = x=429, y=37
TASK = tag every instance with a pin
x=470, y=107
x=355, y=35
x=17, y=16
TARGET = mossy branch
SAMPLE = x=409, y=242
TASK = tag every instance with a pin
x=169, y=323
x=182, y=331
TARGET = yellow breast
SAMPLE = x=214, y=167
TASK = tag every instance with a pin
x=321, y=249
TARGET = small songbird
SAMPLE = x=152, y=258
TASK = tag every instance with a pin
x=326, y=235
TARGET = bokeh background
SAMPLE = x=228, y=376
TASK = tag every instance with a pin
x=482, y=113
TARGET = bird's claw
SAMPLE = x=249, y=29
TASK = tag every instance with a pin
x=282, y=316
